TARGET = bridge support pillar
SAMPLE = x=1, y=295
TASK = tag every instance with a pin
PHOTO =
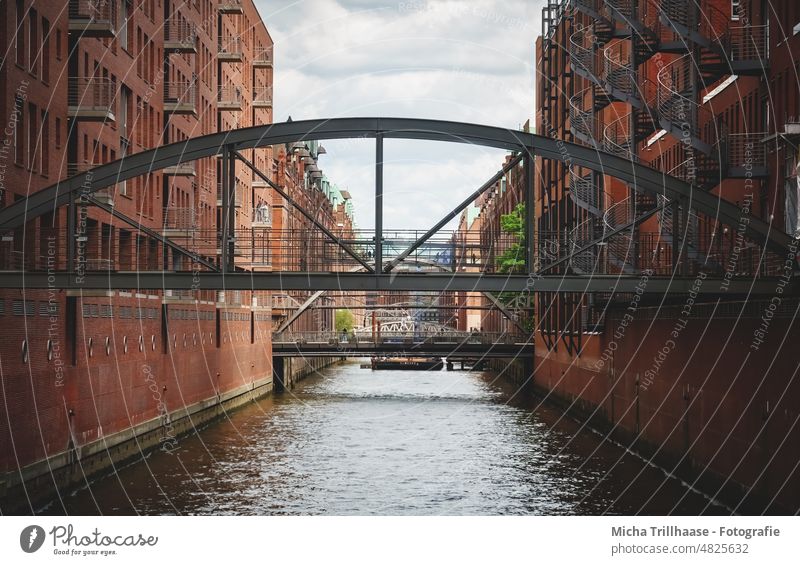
x=527, y=374
x=278, y=374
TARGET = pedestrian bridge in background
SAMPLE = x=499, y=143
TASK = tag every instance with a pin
x=366, y=342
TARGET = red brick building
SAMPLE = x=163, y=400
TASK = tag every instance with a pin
x=83, y=373
x=707, y=93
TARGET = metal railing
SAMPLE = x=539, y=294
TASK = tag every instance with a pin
x=181, y=93
x=366, y=336
x=581, y=50
x=674, y=101
x=180, y=218
x=617, y=138
x=584, y=191
x=179, y=34
x=593, y=5
x=284, y=302
x=230, y=46
x=581, y=235
x=262, y=95
x=665, y=217
x=618, y=70
x=96, y=11
x=708, y=246
x=624, y=8
x=230, y=5
x=581, y=120
x=91, y=94
x=746, y=150
x=706, y=19
x=229, y=95
x=263, y=55
x=750, y=43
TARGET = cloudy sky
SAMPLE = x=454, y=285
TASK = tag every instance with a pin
x=464, y=60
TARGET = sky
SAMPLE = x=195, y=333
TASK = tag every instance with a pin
x=469, y=61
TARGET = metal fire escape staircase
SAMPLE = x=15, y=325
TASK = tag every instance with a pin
x=710, y=50
x=717, y=51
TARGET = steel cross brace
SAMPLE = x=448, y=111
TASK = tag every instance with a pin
x=349, y=250
x=452, y=214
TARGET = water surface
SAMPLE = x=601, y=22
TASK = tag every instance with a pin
x=355, y=441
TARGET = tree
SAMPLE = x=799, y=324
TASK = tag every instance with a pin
x=512, y=260
x=344, y=320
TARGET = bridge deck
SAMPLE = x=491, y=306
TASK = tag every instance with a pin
x=451, y=345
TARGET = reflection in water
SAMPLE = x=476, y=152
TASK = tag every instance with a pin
x=355, y=441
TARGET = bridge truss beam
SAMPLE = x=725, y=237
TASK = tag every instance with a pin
x=646, y=179
x=438, y=282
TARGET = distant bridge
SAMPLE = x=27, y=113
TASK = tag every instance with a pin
x=420, y=342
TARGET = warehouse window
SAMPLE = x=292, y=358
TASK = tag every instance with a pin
x=20, y=30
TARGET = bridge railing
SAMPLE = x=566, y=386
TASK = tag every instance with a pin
x=304, y=251
x=367, y=338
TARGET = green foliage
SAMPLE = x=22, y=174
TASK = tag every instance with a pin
x=344, y=320
x=512, y=260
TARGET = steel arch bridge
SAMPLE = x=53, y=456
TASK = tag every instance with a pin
x=379, y=272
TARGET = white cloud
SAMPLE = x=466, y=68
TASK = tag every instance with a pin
x=456, y=60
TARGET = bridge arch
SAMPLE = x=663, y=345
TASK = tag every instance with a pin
x=645, y=178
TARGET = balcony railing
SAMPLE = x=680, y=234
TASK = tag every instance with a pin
x=180, y=36
x=263, y=57
x=230, y=49
x=749, y=43
x=180, y=97
x=229, y=98
x=284, y=302
x=183, y=219
x=181, y=170
x=262, y=97
x=91, y=98
x=93, y=18
x=231, y=7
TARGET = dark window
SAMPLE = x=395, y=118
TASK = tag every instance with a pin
x=19, y=133
x=20, y=31
x=33, y=41
x=45, y=50
x=32, y=137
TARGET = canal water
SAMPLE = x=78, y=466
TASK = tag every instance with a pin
x=354, y=441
